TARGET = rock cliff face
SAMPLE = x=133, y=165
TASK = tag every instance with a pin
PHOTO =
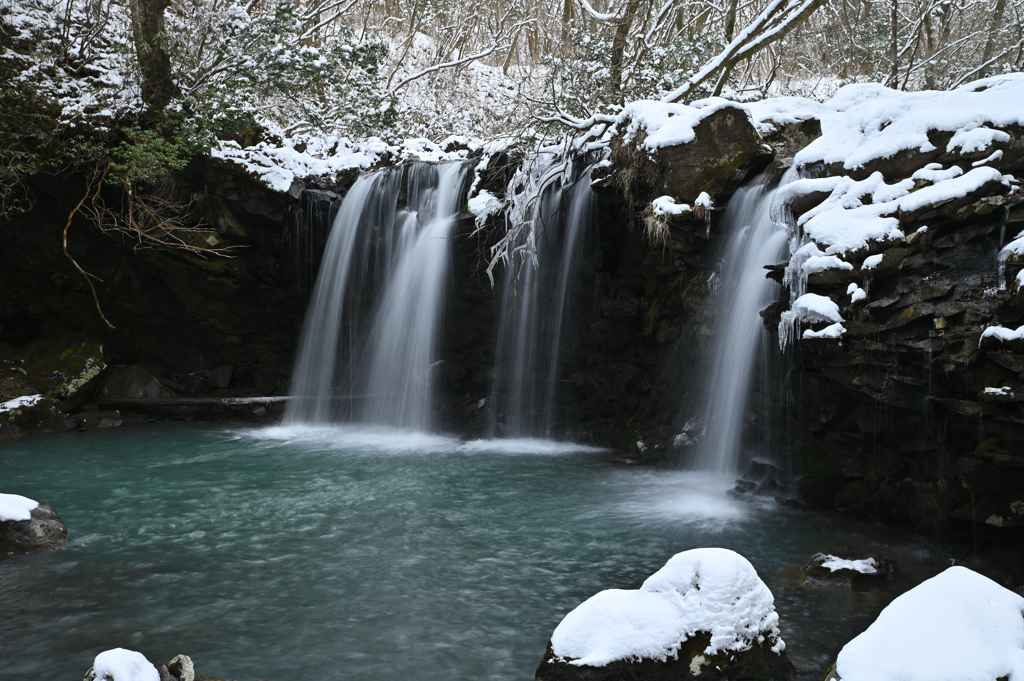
x=185, y=315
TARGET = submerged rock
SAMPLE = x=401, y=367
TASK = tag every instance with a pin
x=705, y=614
x=828, y=570
x=43, y=528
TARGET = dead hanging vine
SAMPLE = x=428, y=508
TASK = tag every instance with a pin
x=150, y=220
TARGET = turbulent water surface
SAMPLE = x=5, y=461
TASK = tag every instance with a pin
x=301, y=554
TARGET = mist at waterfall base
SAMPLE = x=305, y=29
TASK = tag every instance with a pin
x=341, y=553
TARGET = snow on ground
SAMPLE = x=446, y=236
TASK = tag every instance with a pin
x=867, y=566
x=958, y=626
x=711, y=590
x=19, y=402
x=14, y=507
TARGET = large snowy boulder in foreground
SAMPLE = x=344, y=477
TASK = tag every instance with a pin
x=958, y=626
x=26, y=524
x=705, y=615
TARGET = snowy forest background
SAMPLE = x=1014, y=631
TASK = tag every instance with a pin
x=125, y=90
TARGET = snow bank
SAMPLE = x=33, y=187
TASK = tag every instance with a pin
x=867, y=566
x=19, y=402
x=958, y=626
x=864, y=122
x=124, y=665
x=702, y=590
x=16, y=507
x=666, y=125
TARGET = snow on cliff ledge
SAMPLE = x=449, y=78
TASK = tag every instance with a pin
x=866, y=121
x=709, y=590
x=958, y=626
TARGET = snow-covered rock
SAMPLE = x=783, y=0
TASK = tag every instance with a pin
x=120, y=664
x=706, y=612
x=26, y=524
x=957, y=626
x=16, y=507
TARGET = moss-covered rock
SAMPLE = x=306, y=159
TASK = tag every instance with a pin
x=64, y=366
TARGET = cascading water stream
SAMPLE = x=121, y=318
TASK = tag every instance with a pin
x=754, y=240
x=385, y=268
x=537, y=304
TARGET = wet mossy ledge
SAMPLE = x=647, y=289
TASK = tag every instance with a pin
x=912, y=414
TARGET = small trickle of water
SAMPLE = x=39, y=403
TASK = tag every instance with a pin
x=371, y=330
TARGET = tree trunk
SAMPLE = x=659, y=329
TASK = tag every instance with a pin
x=894, y=75
x=990, y=44
x=619, y=48
x=158, y=88
x=730, y=21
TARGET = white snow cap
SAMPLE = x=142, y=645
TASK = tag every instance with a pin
x=124, y=665
x=867, y=566
x=958, y=626
x=16, y=507
x=812, y=308
x=702, y=590
x=831, y=331
x=666, y=125
x=666, y=205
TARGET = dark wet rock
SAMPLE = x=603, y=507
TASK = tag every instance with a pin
x=44, y=529
x=758, y=663
x=788, y=138
x=132, y=382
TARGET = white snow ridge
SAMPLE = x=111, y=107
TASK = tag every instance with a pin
x=14, y=507
x=702, y=590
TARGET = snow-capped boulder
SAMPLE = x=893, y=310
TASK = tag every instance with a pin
x=705, y=614
x=26, y=525
x=957, y=626
x=120, y=664
x=681, y=151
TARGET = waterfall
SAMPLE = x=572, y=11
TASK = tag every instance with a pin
x=753, y=240
x=538, y=300
x=385, y=268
